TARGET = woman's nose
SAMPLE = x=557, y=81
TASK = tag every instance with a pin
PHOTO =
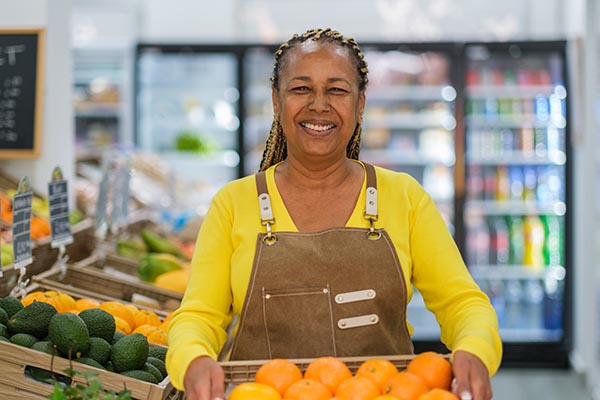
x=319, y=102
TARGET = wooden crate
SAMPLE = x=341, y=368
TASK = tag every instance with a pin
x=15, y=382
x=93, y=280
x=44, y=256
x=237, y=372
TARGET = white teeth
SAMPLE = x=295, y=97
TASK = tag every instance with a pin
x=319, y=128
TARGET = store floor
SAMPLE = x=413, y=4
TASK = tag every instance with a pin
x=547, y=384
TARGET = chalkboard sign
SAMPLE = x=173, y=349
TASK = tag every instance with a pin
x=21, y=89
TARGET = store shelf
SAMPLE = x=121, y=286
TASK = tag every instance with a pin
x=512, y=91
x=483, y=121
x=515, y=158
x=399, y=157
x=519, y=272
x=411, y=93
x=492, y=207
x=412, y=121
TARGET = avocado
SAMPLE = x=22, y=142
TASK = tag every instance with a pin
x=154, y=371
x=141, y=375
x=118, y=335
x=69, y=334
x=99, y=350
x=89, y=361
x=159, y=352
x=45, y=346
x=3, y=317
x=129, y=353
x=4, y=331
x=23, y=339
x=33, y=319
x=11, y=305
x=99, y=323
x=158, y=364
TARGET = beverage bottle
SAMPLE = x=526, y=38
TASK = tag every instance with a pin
x=527, y=141
x=498, y=300
x=540, y=144
x=541, y=108
x=513, y=295
x=516, y=239
x=533, y=229
x=489, y=182
x=502, y=183
x=529, y=183
x=478, y=242
x=491, y=108
x=507, y=141
x=473, y=77
x=553, y=244
x=516, y=183
x=556, y=188
x=553, y=307
x=499, y=241
x=474, y=182
x=542, y=191
x=533, y=303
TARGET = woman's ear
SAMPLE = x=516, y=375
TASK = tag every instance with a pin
x=362, y=100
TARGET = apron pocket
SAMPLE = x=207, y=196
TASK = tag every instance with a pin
x=298, y=322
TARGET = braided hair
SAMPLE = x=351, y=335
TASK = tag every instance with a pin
x=276, y=147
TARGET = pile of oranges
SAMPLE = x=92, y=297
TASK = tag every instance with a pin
x=428, y=376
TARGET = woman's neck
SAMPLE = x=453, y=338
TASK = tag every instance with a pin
x=317, y=177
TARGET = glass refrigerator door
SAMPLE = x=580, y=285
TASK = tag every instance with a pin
x=515, y=209
x=409, y=126
x=187, y=112
x=258, y=67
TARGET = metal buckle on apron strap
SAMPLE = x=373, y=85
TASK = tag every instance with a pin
x=371, y=213
x=355, y=322
x=266, y=217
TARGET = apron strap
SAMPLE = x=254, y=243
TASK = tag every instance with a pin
x=264, y=200
x=266, y=211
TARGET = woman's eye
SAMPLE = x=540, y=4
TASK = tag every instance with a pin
x=300, y=89
x=338, y=90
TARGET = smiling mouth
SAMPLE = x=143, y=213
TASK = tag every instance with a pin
x=317, y=127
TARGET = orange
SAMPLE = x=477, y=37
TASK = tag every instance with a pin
x=307, y=389
x=119, y=310
x=406, y=386
x=85, y=304
x=386, y=397
x=434, y=368
x=254, y=391
x=153, y=333
x=328, y=370
x=357, y=388
x=146, y=317
x=122, y=326
x=437, y=394
x=378, y=370
x=278, y=373
x=61, y=301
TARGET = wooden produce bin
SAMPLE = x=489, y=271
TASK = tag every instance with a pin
x=237, y=372
x=44, y=256
x=77, y=277
x=16, y=383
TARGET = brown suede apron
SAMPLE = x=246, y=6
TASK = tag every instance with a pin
x=339, y=292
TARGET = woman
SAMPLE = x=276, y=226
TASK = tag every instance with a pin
x=338, y=243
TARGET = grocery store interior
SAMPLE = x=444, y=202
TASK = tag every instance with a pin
x=493, y=106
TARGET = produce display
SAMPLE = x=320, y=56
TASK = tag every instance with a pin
x=111, y=336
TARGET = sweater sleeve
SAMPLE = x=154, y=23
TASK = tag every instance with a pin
x=466, y=317
x=199, y=326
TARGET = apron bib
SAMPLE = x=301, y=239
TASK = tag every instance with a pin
x=339, y=292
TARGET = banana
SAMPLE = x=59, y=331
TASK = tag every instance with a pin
x=154, y=264
x=132, y=248
x=159, y=244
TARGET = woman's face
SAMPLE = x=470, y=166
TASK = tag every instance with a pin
x=318, y=102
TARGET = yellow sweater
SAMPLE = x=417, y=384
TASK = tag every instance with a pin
x=430, y=260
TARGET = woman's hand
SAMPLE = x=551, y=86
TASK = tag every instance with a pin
x=471, y=376
x=204, y=380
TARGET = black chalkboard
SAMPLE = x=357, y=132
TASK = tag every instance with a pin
x=21, y=73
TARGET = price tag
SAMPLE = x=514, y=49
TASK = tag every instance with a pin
x=58, y=199
x=21, y=226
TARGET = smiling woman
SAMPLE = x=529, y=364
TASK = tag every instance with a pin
x=317, y=253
